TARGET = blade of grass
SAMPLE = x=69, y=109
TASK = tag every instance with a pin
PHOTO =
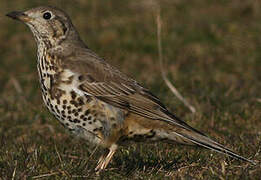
x=163, y=72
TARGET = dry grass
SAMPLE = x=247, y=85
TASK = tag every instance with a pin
x=212, y=52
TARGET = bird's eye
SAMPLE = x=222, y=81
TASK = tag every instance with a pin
x=47, y=15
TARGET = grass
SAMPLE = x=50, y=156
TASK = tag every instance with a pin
x=212, y=54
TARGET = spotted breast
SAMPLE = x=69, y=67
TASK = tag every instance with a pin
x=81, y=114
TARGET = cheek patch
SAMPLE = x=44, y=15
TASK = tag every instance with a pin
x=59, y=28
x=64, y=28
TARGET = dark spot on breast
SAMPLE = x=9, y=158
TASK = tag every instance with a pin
x=82, y=116
x=74, y=103
x=73, y=94
x=85, y=119
x=79, y=109
x=80, y=101
x=64, y=106
x=76, y=113
x=83, y=124
x=56, y=93
x=88, y=98
x=69, y=112
x=90, y=117
x=65, y=101
x=76, y=121
x=87, y=112
x=43, y=86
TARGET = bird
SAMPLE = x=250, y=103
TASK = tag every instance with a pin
x=96, y=101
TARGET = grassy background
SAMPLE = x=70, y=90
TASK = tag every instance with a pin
x=212, y=53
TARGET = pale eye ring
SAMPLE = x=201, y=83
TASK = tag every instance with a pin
x=47, y=15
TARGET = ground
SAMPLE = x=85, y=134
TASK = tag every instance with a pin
x=212, y=53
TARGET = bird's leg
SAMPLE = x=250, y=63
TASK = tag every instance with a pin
x=106, y=161
x=101, y=159
x=105, y=158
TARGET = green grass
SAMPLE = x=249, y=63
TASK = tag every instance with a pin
x=212, y=54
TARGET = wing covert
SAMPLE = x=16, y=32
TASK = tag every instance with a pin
x=108, y=84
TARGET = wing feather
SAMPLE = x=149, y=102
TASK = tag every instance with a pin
x=115, y=88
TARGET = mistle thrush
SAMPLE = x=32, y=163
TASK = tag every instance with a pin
x=93, y=99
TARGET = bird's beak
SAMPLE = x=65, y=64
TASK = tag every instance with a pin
x=19, y=16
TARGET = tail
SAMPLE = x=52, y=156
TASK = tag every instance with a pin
x=198, y=138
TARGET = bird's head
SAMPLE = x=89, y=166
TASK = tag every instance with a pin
x=48, y=24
